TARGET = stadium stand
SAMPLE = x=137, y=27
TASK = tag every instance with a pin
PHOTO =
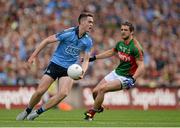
x=25, y=23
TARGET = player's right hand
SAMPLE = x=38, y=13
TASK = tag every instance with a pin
x=31, y=61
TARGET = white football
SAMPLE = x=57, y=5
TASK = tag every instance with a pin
x=74, y=71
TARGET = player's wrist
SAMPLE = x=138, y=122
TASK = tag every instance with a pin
x=92, y=58
x=83, y=72
x=134, y=80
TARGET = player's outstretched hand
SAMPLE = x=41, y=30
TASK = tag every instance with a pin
x=31, y=61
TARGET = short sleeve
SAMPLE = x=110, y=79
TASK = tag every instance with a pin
x=61, y=36
x=138, y=53
x=116, y=47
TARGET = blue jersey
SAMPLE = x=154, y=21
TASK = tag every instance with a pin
x=70, y=46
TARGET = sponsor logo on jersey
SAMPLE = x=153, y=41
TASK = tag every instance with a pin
x=124, y=57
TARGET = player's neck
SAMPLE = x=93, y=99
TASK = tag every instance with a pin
x=127, y=41
x=81, y=32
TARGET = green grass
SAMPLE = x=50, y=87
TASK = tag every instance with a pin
x=109, y=118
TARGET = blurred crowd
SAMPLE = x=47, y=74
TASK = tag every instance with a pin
x=25, y=23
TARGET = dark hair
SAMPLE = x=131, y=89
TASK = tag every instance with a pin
x=131, y=27
x=84, y=15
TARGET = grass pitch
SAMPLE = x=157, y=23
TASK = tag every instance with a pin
x=109, y=118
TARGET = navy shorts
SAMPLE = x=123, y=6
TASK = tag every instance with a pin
x=55, y=71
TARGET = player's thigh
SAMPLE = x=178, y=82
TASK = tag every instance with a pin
x=108, y=86
x=65, y=85
x=45, y=83
x=113, y=85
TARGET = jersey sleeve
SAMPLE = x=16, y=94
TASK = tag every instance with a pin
x=138, y=52
x=116, y=47
x=61, y=36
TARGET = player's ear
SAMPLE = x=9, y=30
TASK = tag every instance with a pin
x=132, y=33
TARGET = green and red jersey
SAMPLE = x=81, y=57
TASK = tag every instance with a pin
x=128, y=54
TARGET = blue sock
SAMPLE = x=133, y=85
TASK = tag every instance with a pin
x=40, y=110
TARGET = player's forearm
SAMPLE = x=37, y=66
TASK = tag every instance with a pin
x=85, y=62
x=105, y=54
x=46, y=41
x=140, y=70
x=40, y=47
x=85, y=66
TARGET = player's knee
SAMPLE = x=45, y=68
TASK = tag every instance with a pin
x=101, y=90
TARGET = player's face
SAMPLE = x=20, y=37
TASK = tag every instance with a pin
x=125, y=32
x=87, y=24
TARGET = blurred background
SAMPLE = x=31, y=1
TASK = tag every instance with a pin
x=24, y=24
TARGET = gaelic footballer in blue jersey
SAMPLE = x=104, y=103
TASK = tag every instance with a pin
x=71, y=42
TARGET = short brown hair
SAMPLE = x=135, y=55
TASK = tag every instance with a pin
x=84, y=15
x=126, y=23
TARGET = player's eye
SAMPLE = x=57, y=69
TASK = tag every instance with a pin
x=124, y=29
x=90, y=22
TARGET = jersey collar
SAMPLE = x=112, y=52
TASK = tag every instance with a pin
x=77, y=33
x=128, y=41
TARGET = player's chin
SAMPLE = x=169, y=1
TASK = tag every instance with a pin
x=125, y=37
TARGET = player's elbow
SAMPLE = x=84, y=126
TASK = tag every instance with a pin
x=98, y=90
x=50, y=39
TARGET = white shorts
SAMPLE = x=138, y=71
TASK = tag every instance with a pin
x=113, y=76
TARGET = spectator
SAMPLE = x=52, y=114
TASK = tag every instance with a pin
x=25, y=23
